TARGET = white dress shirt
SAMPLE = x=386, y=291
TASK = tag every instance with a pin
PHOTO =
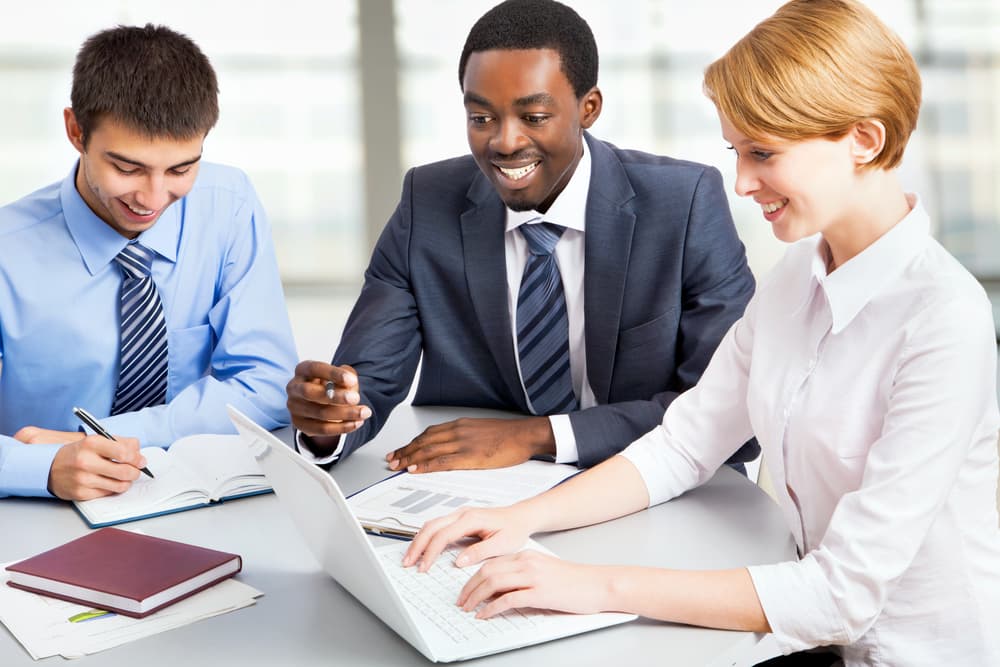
x=872, y=391
x=570, y=211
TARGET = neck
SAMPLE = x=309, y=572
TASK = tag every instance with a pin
x=878, y=203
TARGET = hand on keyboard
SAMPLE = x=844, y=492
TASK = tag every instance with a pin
x=502, y=530
x=532, y=579
x=433, y=594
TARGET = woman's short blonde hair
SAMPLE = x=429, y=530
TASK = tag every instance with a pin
x=814, y=69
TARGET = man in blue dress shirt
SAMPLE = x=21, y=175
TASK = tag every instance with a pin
x=143, y=287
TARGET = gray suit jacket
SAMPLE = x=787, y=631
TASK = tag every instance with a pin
x=664, y=278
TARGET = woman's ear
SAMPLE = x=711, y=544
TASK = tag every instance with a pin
x=867, y=141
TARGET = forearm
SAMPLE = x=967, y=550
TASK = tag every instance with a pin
x=201, y=408
x=723, y=599
x=24, y=469
x=608, y=491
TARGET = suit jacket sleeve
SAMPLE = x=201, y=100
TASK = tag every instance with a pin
x=382, y=338
x=717, y=285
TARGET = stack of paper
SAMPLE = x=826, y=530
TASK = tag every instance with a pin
x=46, y=626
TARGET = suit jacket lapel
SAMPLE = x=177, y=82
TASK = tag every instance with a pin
x=608, y=243
x=483, y=225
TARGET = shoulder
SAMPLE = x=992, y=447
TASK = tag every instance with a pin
x=942, y=287
x=216, y=178
x=651, y=173
x=224, y=195
x=443, y=179
x=36, y=208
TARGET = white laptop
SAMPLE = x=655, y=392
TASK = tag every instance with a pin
x=419, y=607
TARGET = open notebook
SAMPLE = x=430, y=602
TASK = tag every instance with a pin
x=196, y=471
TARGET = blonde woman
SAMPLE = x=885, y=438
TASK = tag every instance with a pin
x=865, y=365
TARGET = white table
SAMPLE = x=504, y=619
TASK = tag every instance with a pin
x=305, y=618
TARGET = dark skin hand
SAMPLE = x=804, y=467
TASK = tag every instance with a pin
x=318, y=415
x=475, y=443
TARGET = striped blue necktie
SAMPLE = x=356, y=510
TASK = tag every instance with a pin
x=142, y=380
x=543, y=325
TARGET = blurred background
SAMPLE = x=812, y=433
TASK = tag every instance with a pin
x=326, y=103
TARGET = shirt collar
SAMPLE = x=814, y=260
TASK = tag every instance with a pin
x=98, y=243
x=569, y=209
x=860, y=279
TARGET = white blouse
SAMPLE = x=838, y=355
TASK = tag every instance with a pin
x=872, y=392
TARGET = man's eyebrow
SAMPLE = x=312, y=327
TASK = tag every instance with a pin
x=472, y=98
x=542, y=99
x=535, y=99
x=121, y=158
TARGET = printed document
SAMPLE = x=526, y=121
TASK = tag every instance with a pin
x=401, y=504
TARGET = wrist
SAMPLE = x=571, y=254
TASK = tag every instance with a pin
x=614, y=586
x=320, y=446
x=541, y=440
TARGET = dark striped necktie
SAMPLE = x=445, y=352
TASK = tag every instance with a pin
x=543, y=325
x=142, y=380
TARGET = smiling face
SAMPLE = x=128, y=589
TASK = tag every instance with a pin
x=128, y=179
x=802, y=187
x=525, y=124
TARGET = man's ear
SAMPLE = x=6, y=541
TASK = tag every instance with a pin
x=867, y=141
x=73, y=130
x=590, y=107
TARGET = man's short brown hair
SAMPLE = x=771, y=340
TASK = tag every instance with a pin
x=151, y=79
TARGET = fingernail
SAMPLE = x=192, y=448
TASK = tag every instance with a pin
x=351, y=396
x=366, y=412
x=393, y=463
x=411, y=468
x=350, y=378
x=461, y=561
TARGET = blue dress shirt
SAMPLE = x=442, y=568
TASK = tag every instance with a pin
x=228, y=332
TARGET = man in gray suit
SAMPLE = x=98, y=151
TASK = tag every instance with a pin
x=547, y=273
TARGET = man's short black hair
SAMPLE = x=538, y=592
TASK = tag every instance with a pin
x=151, y=79
x=537, y=24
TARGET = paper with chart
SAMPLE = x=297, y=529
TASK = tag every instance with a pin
x=46, y=626
x=401, y=504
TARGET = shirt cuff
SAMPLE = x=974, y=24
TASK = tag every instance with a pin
x=658, y=466
x=25, y=470
x=302, y=446
x=799, y=607
x=562, y=431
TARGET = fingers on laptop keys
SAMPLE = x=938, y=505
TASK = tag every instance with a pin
x=495, y=529
x=427, y=545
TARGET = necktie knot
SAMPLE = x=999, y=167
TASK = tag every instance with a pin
x=541, y=237
x=135, y=260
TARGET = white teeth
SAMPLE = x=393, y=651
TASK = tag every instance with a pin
x=773, y=206
x=519, y=173
x=139, y=211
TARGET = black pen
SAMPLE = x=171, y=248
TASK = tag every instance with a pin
x=89, y=420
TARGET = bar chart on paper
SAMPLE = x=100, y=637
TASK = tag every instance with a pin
x=401, y=504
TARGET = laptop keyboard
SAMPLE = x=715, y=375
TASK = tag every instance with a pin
x=434, y=592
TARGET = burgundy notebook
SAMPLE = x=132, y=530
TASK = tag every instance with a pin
x=124, y=572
